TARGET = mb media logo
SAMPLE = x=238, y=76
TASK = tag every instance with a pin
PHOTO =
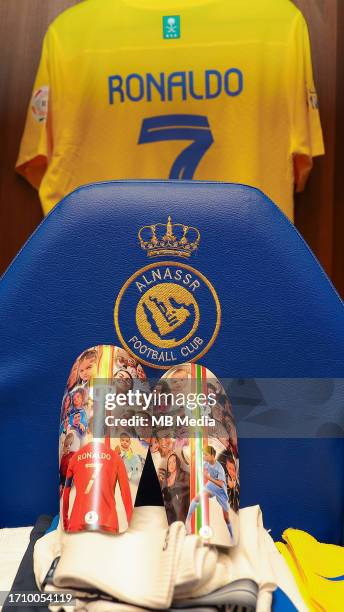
x=171, y=26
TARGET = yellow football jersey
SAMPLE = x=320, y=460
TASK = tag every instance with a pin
x=318, y=570
x=182, y=89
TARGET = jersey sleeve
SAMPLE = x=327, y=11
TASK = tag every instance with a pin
x=306, y=139
x=36, y=143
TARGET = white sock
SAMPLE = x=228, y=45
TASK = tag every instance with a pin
x=283, y=576
x=46, y=549
x=197, y=564
x=250, y=559
x=137, y=566
x=191, y=565
x=212, y=580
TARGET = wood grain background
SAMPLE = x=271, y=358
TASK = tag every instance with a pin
x=319, y=210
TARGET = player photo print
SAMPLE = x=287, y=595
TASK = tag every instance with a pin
x=104, y=440
x=195, y=454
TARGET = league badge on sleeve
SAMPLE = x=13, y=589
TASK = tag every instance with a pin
x=39, y=103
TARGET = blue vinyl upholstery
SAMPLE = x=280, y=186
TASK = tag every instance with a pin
x=281, y=317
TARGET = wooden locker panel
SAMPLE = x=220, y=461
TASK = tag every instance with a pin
x=314, y=207
x=23, y=24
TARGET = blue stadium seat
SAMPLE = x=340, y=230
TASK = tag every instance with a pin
x=281, y=317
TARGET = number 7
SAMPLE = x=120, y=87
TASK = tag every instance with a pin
x=180, y=127
x=97, y=467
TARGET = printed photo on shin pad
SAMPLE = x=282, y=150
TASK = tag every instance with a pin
x=195, y=453
x=100, y=466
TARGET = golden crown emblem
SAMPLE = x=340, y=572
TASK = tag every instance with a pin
x=169, y=239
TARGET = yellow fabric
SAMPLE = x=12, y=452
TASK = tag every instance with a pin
x=317, y=568
x=241, y=69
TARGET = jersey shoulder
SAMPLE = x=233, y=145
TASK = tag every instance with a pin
x=89, y=12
